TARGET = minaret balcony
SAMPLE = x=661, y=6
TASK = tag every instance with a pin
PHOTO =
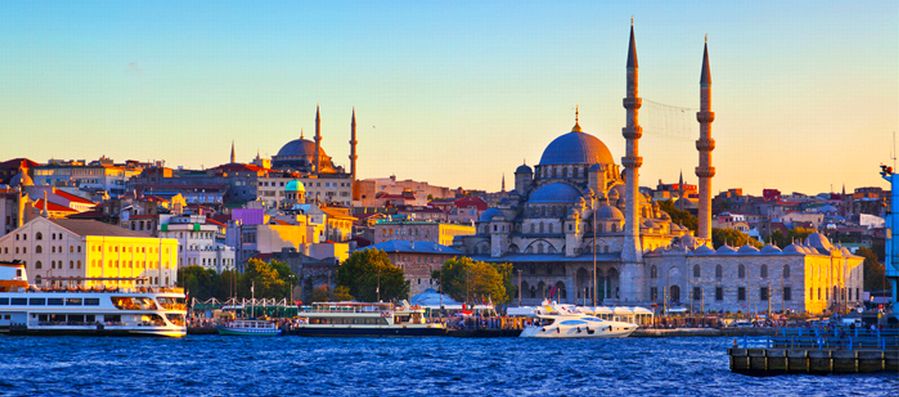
x=705, y=145
x=706, y=172
x=705, y=116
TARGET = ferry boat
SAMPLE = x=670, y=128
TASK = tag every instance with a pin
x=366, y=319
x=560, y=322
x=25, y=309
x=249, y=328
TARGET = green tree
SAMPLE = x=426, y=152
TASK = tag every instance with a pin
x=369, y=274
x=267, y=278
x=732, y=237
x=874, y=278
x=679, y=216
x=199, y=282
x=466, y=280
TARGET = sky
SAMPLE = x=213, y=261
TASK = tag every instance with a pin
x=806, y=93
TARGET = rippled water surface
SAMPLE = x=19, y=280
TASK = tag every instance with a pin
x=215, y=365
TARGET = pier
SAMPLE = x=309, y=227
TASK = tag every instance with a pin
x=817, y=351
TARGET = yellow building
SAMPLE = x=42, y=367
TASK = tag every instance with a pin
x=440, y=233
x=79, y=252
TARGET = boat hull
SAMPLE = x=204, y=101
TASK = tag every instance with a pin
x=537, y=332
x=247, y=332
x=160, y=332
x=369, y=332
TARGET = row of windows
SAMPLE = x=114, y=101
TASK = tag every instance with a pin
x=697, y=294
x=308, y=183
x=719, y=271
x=58, y=265
x=50, y=301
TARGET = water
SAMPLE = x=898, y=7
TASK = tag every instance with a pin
x=215, y=365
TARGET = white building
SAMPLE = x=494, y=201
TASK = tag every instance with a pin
x=198, y=242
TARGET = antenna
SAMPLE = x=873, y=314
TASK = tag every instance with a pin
x=893, y=152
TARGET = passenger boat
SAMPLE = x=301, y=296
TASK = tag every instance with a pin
x=249, y=328
x=26, y=309
x=366, y=319
x=559, y=322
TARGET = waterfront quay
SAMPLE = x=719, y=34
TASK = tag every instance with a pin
x=817, y=351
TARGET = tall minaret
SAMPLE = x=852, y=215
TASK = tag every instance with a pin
x=318, y=140
x=631, y=251
x=353, y=143
x=705, y=144
x=502, y=186
x=233, y=158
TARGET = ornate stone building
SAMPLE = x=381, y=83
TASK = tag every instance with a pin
x=577, y=206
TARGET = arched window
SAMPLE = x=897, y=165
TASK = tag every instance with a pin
x=696, y=272
x=38, y=249
x=718, y=272
x=37, y=279
x=764, y=271
x=741, y=271
x=38, y=265
x=38, y=236
x=786, y=271
x=653, y=272
x=541, y=227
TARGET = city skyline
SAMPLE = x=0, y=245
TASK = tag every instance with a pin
x=457, y=96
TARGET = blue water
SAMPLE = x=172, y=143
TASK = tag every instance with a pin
x=215, y=365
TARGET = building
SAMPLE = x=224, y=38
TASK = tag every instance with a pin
x=418, y=259
x=67, y=251
x=200, y=242
x=325, y=189
x=102, y=175
x=378, y=192
x=435, y=232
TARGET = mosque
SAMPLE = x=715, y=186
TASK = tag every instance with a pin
x=577, y=207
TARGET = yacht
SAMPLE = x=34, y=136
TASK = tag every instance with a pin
x=365, y=319
x=28, y=310
x=249, y=328
x=562, y=321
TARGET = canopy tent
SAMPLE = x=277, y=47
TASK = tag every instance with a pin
x=434, y=300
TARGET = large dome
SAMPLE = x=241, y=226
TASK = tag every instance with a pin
x=576, y=148
x=299, y=148
x=554, y=193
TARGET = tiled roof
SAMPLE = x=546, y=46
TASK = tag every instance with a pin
x=72, y=197
x=89, y=227
x=39, y=204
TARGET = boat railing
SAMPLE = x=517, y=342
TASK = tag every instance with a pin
x=176, y=290
x=823, y=339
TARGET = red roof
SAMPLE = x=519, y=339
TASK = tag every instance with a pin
x=472, y=202
x=211, y=221
x=53, y=207
x=72, y=197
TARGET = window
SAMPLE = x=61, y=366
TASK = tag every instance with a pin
x=19, y=301
x=764, y=271
x=718, y=272
x=73, y=301
x=763, y=293
x=697, y=293
x=4, y=301
x=38, y=236
x=741, y=271
x=54, y=301
x=719, y=294
x=38, y=265
x=653, y=294
x=696, y=271
x=653, y=272
x=786, y=271
x=91, y=301
x=788, y=293
x=38, y=249
x=741, y=294
x=37, y=302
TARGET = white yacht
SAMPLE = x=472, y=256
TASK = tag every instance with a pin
x=25, y=309
x=366, y=319
x=562, y=321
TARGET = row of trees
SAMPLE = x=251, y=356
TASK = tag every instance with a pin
x=271, y=279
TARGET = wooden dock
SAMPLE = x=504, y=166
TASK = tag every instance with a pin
x=811, y=351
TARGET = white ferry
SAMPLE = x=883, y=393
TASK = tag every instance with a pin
x=366, y=319
x=25, y=309
x=559, y=321
x=249, y=328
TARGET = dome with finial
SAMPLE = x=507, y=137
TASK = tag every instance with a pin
x=524, y=169
x=295, y=185
x=576, y=147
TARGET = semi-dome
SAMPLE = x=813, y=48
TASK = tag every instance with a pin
x=295, y=186
x=771, y=249
x=556, y=192
x=608, y=212
x=576, y=148
x=299, y=148
x=703, y=250
x=524, y=169
x=725, y=250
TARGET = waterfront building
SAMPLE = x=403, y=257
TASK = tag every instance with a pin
x=435, y=232
x=65, y=251
x=418, y=259
x=577, y=206
x=200, y=241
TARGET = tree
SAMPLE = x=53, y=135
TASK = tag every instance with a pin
x=732, y=237
x=874, y=271
x=199, y=282
x=466, y=280
x=369, y=275
x=324, y=294
x=267, y=277
x=679, y=216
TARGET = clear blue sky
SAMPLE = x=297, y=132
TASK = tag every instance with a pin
x=456, y=93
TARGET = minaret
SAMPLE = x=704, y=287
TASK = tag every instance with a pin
x=502, y=186
x=705, y=144
x=631, y=251
x=46, y=212
x=233, y=158
x=680, y=185
x=353, y=143
x=318, y=140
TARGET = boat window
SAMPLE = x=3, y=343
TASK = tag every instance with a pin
x=54, y=301
x=37, y=301
x=19, y=301
x=175, y=318
x=112, y=319
x=90, y=318
x=4, y=301
x=91, y=301
x=73, y=301
x=136, y=303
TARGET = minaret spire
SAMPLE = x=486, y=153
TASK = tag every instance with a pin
x=353, y=155
x=502, y=187
x=577, y=119
x=233, y=157
x=318, y=141
x=705, y=145
x=632, y=250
